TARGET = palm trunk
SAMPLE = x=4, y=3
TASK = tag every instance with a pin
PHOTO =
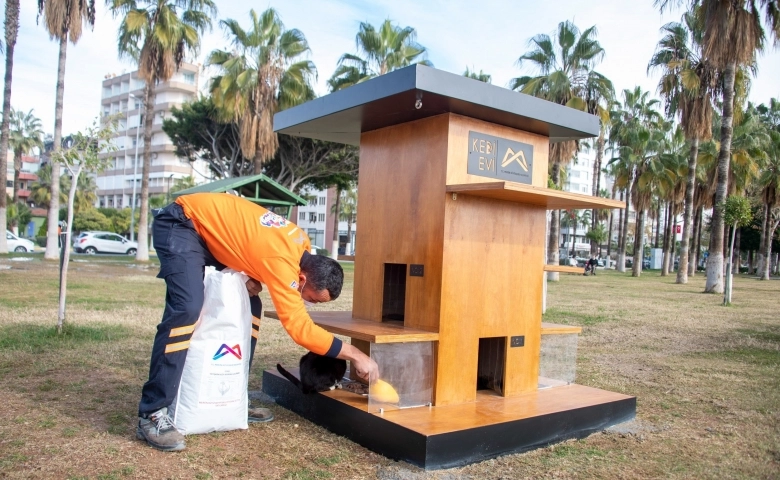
x=574, y=238
x=690, y=185
x=52, y=237
x=336, y=214
x=665, y=245
x=142, y=255
x=350, y=243
x=736, y=255
x=770, y=232
x=17, y=173
x=761, y=245
x=639, y=235
x=555, y=232
x=622, y=252
x=715, y=260
x=11, y=32
x=621, y=261
x=596, y=186
x=657, y=225
x=66, y=258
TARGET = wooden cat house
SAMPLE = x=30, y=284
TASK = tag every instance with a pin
x=449, y=273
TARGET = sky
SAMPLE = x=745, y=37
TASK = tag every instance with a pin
x=488, y=35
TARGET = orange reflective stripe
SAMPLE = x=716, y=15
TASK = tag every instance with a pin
x=255, y=321
x=175, y=347
x=255, y=333
x=179, y=331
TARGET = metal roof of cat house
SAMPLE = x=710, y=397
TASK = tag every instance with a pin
x=393, y=98
x=255, y=188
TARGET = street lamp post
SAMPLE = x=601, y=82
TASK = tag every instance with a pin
x=135, y=173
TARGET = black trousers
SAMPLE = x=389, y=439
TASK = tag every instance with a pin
x=183, y=257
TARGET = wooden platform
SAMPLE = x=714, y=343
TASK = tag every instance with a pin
x=450, y=436
x=544, y=197
x=342, y=323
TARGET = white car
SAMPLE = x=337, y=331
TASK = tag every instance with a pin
x=20, y=245
x=103, y=242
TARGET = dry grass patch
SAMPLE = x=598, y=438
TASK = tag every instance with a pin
x=707, y=379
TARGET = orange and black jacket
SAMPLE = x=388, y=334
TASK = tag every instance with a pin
x=265, y=246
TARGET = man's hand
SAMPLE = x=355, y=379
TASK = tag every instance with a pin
x=253, y=287
x=365, y=367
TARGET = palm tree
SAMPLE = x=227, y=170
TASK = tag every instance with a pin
x=379, y=52
x=566, y=76
x=25, y=135
x=733, y=35
x=687, y=84
x=157, y=34
x=64, y=20
x=40, y=191
x=634, y=131
x=573, y=219
x=86, y=195
x=481, y=76
x=264, y=73
x=769, y=182
x=11, y=32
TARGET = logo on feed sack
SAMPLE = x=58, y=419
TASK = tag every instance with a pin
x=224, y=350
x=516, y=158
x=270, y=219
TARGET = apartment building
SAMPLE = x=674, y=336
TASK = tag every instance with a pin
x=123, y=95
x=579, y=179
x=316, y=219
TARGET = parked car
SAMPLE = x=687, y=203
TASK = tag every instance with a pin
x=103, y=242
x=20, y=245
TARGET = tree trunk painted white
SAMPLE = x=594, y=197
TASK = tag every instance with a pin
x=52, y=236
x=142, y=255
x=639, y=236
x=334, y=252
x=715, y=259
x=553, y=238
x=730, y=268
x=621, y=265
x=66, y=247
x=767, y=264
x=11, y=33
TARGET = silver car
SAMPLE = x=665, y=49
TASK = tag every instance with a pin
x=103, y=242
x=19, y=245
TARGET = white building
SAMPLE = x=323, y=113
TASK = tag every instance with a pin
x=579, y=179
x=316, y=219
x=124, y=95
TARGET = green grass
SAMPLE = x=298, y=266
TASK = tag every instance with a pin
x=568, y=317
x=26, y=336
x=761, y=335
x=762, y=357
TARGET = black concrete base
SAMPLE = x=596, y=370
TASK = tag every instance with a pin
x=451, y=449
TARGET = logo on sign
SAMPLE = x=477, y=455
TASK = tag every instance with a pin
x=224, y=350
x=500, y=158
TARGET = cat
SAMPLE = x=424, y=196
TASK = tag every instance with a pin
x=318, y=373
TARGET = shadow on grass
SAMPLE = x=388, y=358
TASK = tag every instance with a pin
x=28, y=336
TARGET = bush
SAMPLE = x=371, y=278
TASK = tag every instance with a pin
x=41, y=241
x=323, y=251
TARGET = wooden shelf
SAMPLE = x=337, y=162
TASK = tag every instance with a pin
x=558, y=329
x=564, y=269
x=543, y=197
x=342, y=323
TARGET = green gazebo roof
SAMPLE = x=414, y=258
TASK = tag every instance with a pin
x=256, y=188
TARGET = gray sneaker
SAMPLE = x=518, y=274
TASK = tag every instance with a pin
x=159, y=431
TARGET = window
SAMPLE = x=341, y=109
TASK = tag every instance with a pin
x=322, y=200
x=302, y=216
x=585, y=188
x=312, y=217
x=9, y=183
x=313, y=202
x=321, y=217
x=115, y=238
x=189, y=78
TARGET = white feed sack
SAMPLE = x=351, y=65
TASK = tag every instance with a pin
x=213, y=390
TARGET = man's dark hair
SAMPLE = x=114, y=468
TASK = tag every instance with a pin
x=323, y=273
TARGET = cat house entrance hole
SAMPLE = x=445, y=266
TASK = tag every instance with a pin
x=394, y=292
x=490, y=365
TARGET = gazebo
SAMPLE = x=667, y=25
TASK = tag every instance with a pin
x=256, y=188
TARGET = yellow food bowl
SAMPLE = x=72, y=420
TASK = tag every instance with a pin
x=383, y=392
